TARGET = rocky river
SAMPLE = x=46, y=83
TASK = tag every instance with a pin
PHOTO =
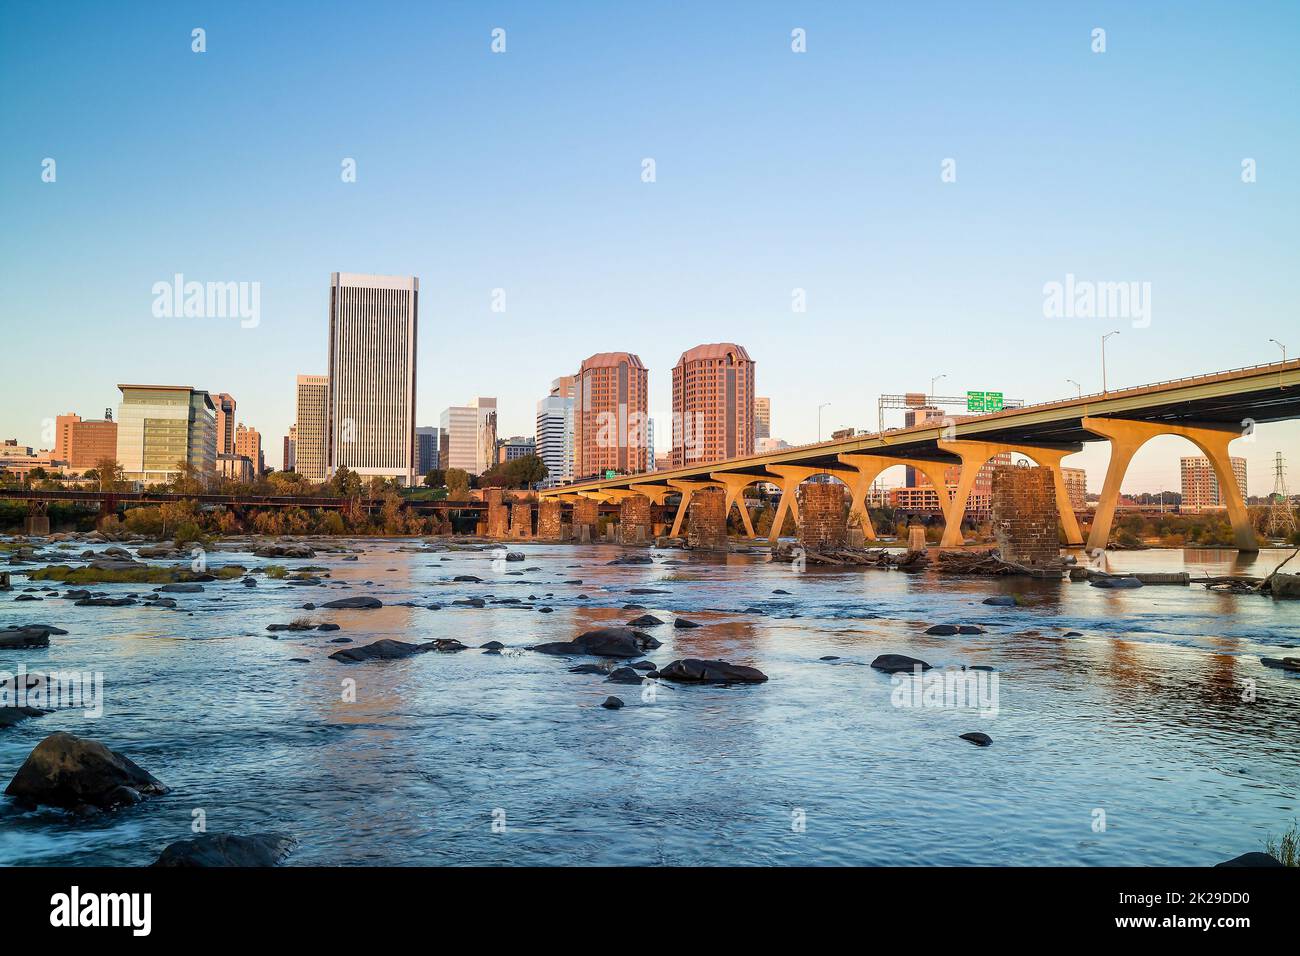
x=1109, y=727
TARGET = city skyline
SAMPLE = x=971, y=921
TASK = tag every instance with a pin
x=883, y=252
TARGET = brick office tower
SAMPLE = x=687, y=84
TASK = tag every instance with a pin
x=713, y=404
x=609, y=415
x=1025, y=515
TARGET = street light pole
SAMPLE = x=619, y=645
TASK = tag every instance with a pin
x=819, y=419
x=1281, y=346
x=1077, y=386
x=1103, y=359
x=933, y=380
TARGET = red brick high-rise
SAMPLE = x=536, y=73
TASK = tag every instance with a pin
x=713, y=404
x=609, y=415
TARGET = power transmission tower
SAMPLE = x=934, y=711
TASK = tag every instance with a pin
x=1281, y=519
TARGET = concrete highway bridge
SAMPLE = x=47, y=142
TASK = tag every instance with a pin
x=1209, y=410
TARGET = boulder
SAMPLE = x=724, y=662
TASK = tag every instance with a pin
x=898, y=663
x=681, y=622
x=645, y=620
x=381, y=650
x=624, y=675
x=72, y=773
x=1115, y=583
x=977, y=738
x=221, y=849
x=1001, y=600
x=1284, y=587
x=603, y=642
x=694, y=671
x=354, y=603
x=1283, y=663
x=16, y=715
x=284, y=551
x=16, y=638
x=612, y=703
x=1251, y=859
x=946, y=630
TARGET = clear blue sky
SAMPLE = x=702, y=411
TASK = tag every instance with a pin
x=775, y=171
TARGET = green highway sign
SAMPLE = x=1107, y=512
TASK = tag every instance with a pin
x=983, y=401
x=610, y=473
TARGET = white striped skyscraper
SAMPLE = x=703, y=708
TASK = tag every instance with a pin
x=372, y=375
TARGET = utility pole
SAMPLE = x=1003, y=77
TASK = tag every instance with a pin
x=1103, y=359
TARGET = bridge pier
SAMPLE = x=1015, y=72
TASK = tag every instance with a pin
x=688, y=489
x=975, y=455
x=734, y=485
x=1127, y=436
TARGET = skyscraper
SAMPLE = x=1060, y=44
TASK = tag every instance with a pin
x=609, y=415
x=372, y=375
x=555, y=432
x=225, y=406
x=471, y=432
x=762, y=420
x=248, y=442
x=428, y=442
x=288, y=463
x=161, y=426
x=1201, y=485
x=713, y=404
x=313, y=421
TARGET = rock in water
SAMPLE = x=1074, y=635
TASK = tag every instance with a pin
x=1251, y=859
x=221, y=849
x=694, y=671
x=27, y=636
x=645, y=620
x=978, y=739
x=898, y=663
x=612, y=703
x=72, y=773
x=1001, y=600
x=624, y=675
x=16, y=715
x=683, y=623
x=355, y=602
x=603, y=642
x=1115, y=583
x=381, y=650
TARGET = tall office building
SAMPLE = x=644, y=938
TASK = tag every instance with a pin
x=1076, y=486
x=428, y=445
x=287, y=463
x=225, y=405
x=248, y=442
x=1201, y=486
x=762, y=420
x=160, y=426
x=713, y=404
x=517, y=446
x=469, y=428
x=609, y=415
x=372, y=375
x=83, y=443
x=311, y=457
x=555, y=432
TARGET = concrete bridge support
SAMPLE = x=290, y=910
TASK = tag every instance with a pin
x=688, y=489
x=734, y=485
x=1127, y=436
x=975, y=455
x=634, y=519
x=790, y=478
x=586, y=511
x=868, y=469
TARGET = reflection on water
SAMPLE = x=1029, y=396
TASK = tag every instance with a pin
x=1150, y=704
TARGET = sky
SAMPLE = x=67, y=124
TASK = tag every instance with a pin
x=920, y=172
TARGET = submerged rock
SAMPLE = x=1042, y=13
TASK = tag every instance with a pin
x=28, y=636
x=388, y=650
x=1251, y=859
x=1284, y=663
x=977, y=738
x=946, y=630
x=603, y=642
x=681, y=622
x=645, y=620
x=1115, y=583
x=222, y=849
x=624, y=675
x=898, y=663
x=1001, y=600
x=181, y=588
x=612, y=703
x=72, y=773
x=359, y=603
x=693, y=671
x=16, y=715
